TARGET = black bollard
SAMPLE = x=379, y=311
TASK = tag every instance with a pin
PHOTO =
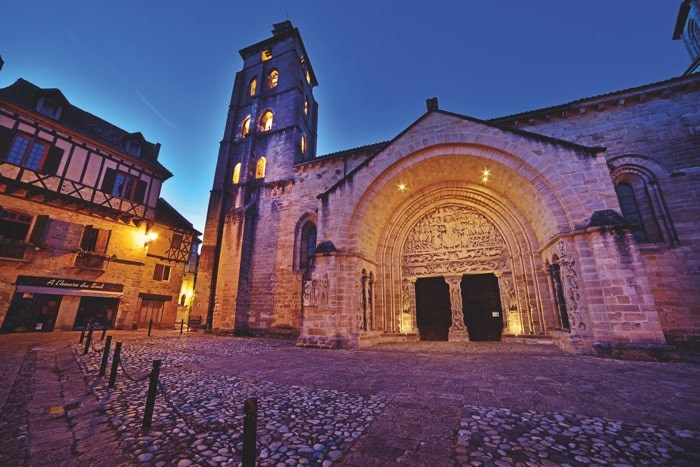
x=151, y=397
x=105, y=356
x=82, y=334
x=250, y=420
x=182, y=325
x=88, y=340
x=150, y=325
x=104, y=331
x=115, y=364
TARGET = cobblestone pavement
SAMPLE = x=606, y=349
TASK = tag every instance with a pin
x=425, y=403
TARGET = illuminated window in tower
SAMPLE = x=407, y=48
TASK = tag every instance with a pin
x=308, y=77
x=303, y=143
x=266, y=55
x=306, y=106
x=253, y=86
x=245, y=126
x=260, y=167
x=266, y=121
x=272, y=79
x=236, y=173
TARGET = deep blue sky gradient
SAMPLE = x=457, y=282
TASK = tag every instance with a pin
x=166, y=68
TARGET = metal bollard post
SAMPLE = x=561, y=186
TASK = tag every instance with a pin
x=88, y=340
x=105, y=356
x=104, y=331
x=250, y=420
x=150, y=325
x=82, y=334
x=182, y=325
x=115, y=364
x=151, y=397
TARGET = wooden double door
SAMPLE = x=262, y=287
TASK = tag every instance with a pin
x=481, y=307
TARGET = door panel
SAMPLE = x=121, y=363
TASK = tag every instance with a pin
x=433, y=314
x=481, y=305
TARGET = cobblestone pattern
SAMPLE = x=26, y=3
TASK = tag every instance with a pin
x=411, y=404
x=200, y=418
x=490, y=435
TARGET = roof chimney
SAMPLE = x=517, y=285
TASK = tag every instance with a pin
x=432, y=104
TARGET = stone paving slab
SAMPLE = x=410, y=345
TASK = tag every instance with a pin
x=406, y=404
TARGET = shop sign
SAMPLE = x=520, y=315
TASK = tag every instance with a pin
x=68, y=283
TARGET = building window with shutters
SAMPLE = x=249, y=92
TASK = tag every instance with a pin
x=161, y=273
x=15, y=237
x=93, y=248
x=124, y=185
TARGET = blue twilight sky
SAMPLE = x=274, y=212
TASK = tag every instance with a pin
x=166, y=67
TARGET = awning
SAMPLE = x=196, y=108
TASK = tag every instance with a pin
x=62, y=291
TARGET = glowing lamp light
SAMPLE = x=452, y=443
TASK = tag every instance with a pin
x=402, y=187
x=485, y=174
x=150, y=236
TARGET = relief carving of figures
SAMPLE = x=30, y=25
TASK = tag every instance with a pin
x=315, y=292
x=405, y=299
x=456, y=304
x=571, y=286
x=509, y=295
x=453, y=238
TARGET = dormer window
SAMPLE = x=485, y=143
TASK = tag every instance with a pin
x=266, y=121
x=272, y=79
x=266, y=55
x=49, y=107
x=133, y=148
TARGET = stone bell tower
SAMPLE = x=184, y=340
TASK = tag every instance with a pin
x=271, y=126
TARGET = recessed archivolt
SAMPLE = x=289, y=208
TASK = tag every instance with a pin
x=513, y=182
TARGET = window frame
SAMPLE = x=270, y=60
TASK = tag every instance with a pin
x=162, y=272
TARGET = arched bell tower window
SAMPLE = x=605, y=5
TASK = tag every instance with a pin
x=236, y=173
x=253, y=86
x=273, y=79
x=260, y=167
x=266, y=55
x=303, y=143
x=245, y=126
x=306, y=106
x=266, y=121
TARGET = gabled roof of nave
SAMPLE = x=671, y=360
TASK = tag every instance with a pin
x=507, y=123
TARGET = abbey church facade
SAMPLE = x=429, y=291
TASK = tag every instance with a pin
x=578, y=224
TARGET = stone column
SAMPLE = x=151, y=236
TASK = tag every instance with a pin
x=458, y=330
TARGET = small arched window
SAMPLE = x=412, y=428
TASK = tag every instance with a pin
x=266, y=55
x=236, y=173
x=273, y=79
x=307, y=244
x=253, y=86
x=637, y=209
x=260, y=167
x=306, y=106
x=266, y=121
x=245, y=126
x=303, y=143
x=630, y=210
